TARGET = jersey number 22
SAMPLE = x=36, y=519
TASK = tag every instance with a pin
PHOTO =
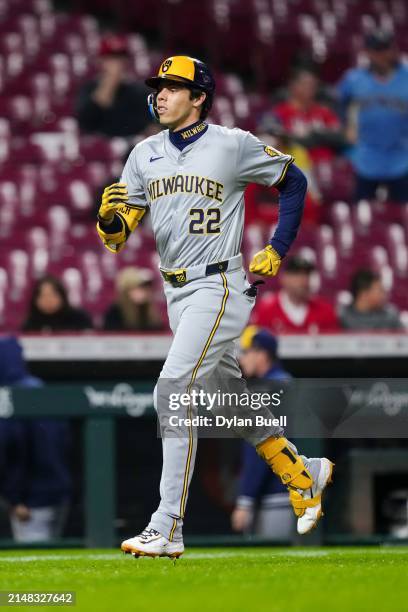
x=205, y=221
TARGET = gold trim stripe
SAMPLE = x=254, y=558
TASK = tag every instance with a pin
x=285, y=169
x=193, y=377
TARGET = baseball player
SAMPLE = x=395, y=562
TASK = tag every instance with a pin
x=192, y=177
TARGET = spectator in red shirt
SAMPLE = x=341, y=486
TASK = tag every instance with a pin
x=313, y=125
x=293, y=309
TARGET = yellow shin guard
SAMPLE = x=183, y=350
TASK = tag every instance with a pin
x=285, y=463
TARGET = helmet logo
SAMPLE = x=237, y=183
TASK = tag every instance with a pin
x=166, y=65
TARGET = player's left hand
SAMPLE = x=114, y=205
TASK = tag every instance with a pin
x=265, y=262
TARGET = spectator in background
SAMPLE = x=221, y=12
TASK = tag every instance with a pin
x=34, y=475
x=262, y=506
x=50, y=310
x=369, y=309
x=134, y=309
x=375, y=107
x=294, y=309
x=260, y=201
x=111, y=105
x=309, y=123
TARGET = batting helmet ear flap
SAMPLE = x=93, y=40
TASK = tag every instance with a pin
x=152, y=104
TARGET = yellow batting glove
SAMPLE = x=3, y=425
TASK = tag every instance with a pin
x=113, y=197
x=115, y=205
x=113, y=242
x=265, y=262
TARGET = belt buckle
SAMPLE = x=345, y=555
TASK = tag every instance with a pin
x=177, y=278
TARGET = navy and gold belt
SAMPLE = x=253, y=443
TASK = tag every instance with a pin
x=178, y=278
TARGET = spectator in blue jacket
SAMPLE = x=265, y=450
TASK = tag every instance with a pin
x=34, y=475
x=374, y=104
x=262, y=505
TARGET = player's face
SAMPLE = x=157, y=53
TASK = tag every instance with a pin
x=175, y=107
x=296, y=285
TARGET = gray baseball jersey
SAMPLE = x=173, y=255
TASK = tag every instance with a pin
x=196, y=196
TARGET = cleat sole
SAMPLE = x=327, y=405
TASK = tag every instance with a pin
x=174, y=556
x=321, y=513
x=141, y=553
x=319, y=516
x=128, y=549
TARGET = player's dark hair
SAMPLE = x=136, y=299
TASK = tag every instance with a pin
x=206, y=105
x=362, y=280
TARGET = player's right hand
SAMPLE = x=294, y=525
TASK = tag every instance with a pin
x=266, y=262
x=113, y=198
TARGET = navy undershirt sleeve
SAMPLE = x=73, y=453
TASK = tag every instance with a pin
x=292, y=192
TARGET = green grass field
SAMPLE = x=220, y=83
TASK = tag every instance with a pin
x=287, y=579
